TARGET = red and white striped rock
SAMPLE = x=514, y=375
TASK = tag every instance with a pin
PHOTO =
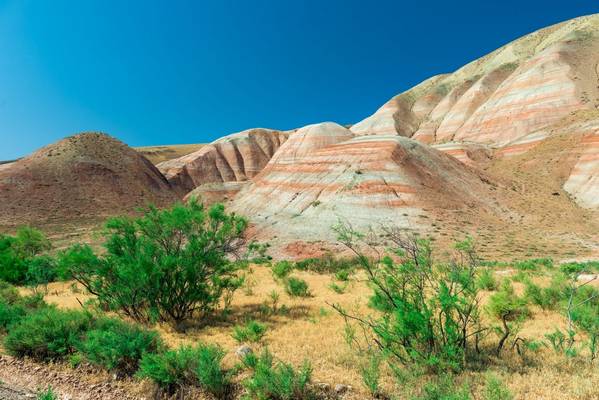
x=368, y=180
x=234, y=158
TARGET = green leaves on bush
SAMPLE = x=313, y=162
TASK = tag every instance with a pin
x=430, y=312
x=47, y=334
x=495, y=389
x=166, y=265
x=276, y=381
x=22, y=258
x=296, y=287
x=198, y=366
x=117, y=345
x=509, y=309
x=252, y=331
x=486, y=280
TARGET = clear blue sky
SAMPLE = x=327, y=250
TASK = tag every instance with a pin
x=166, y=72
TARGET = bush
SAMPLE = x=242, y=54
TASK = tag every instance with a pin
x=510, y=310
x=47, y=334
x=296, y=287
x=252, y=331
x=371, y=375
x=496, y=390
x=186, y=365
x=327, y=264
x=430, y=312
x=21, y=257
x=486, y=280
x=166, y=265
x=444, y=389
x=9, y=315
x=282, y=269
x=117, y=345
x=47, y=394
x=547, y=298
x=276, y=381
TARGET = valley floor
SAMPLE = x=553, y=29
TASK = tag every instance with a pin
x=308, y=328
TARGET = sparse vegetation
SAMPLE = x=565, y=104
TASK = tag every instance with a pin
x=252, y=331
x=272, y=380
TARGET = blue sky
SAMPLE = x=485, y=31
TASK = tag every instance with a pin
x=168, y=72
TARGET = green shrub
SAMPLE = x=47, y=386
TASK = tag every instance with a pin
x=486, y=280
x=296, y=287
x=20, y=252
x=40, y=271
x=117, y=345
x=252, y=331
x=547, y=298
x=430, y=314
x=47, y=394
x=197, y=366
x=327, y=264
x=371, y=375
x=8, y=292
x=282, y=269
x=510, y=310
x=9, y=315
x=495, y=389
x=166, y=265
x=534, y=264
x=444, y=389
x=47, y=334
x=276, y=381
x=209, y=371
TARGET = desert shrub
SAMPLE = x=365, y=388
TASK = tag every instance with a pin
x=371, y=374
x=486, y=280
x=276, y=381
x=296, y=287
x=548, y=298
x=338, y=288
x=209, y=371
x=282, y=269
x=495, y=389
x=584, y=316
x=327, y=264
x=9, y=315
x=41, y=270
x=47, y=394
x=47, y=333
x=8, y=292
x=430, y=312
x=252, y=331
x=510, y=310
x=166, y=265
x=534, y=264
x=23, y=251
x=196, y=366
x=444, y=388
x=117, y=345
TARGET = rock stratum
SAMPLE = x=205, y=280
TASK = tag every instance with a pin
x=504, y=148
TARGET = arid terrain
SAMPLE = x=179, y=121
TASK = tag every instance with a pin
x=504, y=150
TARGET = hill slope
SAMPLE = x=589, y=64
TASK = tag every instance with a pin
x=85, y=175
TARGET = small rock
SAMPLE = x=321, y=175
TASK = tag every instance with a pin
x=341, y=388
x=323, y=386
x=243, y=351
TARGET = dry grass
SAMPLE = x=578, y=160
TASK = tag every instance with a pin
x=158, y=154
x=312, y=330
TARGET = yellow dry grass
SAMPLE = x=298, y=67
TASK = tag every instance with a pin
x=312, y=330
x=158, y=154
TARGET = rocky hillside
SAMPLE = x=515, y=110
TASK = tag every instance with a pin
x=82, y=176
